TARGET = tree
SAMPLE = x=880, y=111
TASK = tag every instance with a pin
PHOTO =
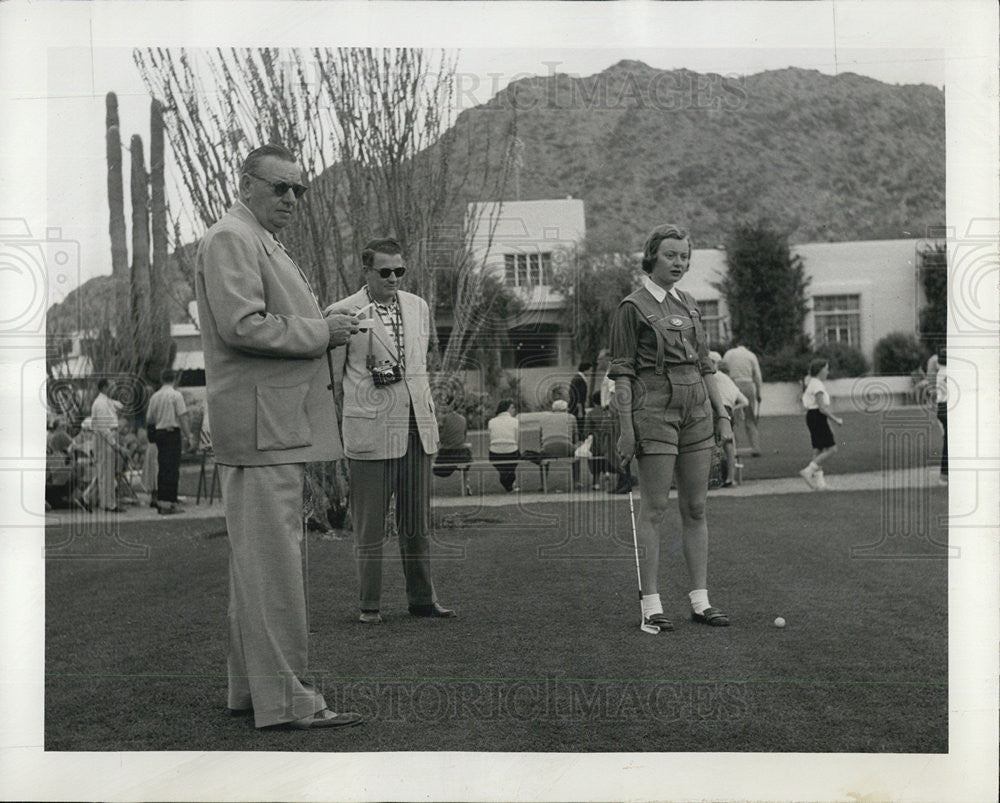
x=933, y=262
x=370, y=128
x=593, y=284
x=764, y=288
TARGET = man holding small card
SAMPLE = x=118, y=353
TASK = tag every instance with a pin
x=389, y=431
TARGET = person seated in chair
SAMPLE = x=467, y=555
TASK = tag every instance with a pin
x=559, y=435
x=454, y=451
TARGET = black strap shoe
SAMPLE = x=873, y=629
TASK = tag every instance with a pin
x=432, y=610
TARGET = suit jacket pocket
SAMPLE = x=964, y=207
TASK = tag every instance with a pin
x=282, y=420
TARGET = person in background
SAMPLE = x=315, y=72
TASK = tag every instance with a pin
x=816, y=400
x=607, y=383
x=734, y=400
x=744, y=370
x=503, y=429
x=148, y=460
x=83, y=452
x=600, y=425
x=941, y=397
x=559, y=435
x=58, y=439
x=167, y=419
x=104, y=420
x=578, y=396
x=455, y=450
x=59, y=466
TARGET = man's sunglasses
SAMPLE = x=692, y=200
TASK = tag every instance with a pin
x=385, y=273
x=282, y=187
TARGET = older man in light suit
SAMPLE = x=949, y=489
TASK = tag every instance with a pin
x=265, y=340
x=390, y=433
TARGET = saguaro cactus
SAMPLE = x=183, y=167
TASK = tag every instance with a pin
x=116, y=205
x=160, y=322
x=140, y=247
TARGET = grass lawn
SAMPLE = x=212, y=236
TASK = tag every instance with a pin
x=903, y=438
x=546, y=654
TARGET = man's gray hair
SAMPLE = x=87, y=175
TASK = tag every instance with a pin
x=256, y=156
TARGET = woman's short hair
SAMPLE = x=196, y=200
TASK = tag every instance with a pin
x=504, y=405
x=668, y=231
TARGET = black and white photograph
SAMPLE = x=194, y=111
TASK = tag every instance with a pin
x=500, y=400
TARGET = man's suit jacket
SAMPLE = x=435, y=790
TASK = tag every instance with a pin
x=265, y=343
x=376, y=418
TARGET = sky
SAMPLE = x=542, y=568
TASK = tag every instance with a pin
x=80, y=77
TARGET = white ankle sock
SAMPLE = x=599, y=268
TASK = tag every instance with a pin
x=699, y=600
x=651, y=604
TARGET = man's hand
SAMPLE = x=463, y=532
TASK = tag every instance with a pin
x=341, y=328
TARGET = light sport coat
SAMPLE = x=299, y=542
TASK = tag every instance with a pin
x=376, y=418
x=265, y=342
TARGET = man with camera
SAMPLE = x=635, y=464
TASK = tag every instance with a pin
x=389, y=431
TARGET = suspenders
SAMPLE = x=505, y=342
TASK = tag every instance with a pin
x=662, y=321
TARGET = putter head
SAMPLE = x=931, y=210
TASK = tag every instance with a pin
x=645, y=627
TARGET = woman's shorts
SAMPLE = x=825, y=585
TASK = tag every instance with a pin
x=819, y=430
x=672, y=413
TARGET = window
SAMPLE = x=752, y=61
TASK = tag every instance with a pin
x=528, y=270
x=712, y=322
x=838, y=319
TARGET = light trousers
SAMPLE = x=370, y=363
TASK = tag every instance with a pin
x=268, y=636
x=749, y=414
x=105, y=463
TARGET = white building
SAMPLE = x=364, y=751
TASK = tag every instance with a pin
x=858, y=292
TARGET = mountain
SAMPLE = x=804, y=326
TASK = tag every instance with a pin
x=823, y=158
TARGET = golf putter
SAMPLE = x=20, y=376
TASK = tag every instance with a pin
x=646, y=628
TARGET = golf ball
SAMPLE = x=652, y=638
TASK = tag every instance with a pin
x=779, y=622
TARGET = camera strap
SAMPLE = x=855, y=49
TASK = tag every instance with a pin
x=370, y=357
x=393, y=319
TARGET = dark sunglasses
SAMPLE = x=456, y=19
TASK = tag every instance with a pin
x=282, y=187
x=385, y=273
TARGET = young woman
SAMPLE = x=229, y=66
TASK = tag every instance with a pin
x=503, y=429
x=671, y=414
x=818, y=415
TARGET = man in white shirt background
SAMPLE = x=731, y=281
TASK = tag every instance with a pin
x=104, y=421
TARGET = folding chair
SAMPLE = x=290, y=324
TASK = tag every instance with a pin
x=530, y=446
